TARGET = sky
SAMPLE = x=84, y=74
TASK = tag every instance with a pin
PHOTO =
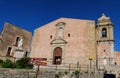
x=31, y=14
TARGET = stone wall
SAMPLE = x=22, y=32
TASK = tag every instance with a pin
x=14, y=73
x=17, y=73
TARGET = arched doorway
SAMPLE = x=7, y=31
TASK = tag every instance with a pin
x=57, y=56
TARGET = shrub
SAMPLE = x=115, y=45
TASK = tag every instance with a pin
x=1, y=61
x=77, y=72
x=57, y=76
x=92, y=72
x=105, y=72
x=29, y=66
x=23, y=63
x=66, y=72
x=7, y=64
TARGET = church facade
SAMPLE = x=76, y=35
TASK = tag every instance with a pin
x=67, y=40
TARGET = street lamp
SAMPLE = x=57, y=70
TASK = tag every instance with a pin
x=69, y=67
x=56, y=64
x=90, y=59
x=37, y=72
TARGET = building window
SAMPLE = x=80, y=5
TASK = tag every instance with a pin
x=9, y=51
x=104, y=32
x=27, y=54
x=16, y=42
x=51, y=37
x=68, y=34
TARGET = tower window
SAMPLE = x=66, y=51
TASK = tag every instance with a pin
x=104, y=32
x=9, y=51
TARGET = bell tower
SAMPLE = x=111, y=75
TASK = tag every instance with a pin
x=105, y=41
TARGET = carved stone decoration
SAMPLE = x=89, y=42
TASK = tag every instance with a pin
x=60, y=30
x=20, y=43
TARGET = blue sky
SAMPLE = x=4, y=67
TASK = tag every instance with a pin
x=31, y=14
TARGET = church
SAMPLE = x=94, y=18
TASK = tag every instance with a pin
x=73, y=41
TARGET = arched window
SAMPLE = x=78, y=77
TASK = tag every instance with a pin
x=9, y=51
x=104, y=32
x=17, y=40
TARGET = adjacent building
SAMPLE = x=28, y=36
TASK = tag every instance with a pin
x=14, y=42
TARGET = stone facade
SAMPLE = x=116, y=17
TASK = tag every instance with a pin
x=75, y=41
x=73, y=38
x=10, y=44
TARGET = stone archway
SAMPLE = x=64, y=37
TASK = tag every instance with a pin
x=57, y=56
